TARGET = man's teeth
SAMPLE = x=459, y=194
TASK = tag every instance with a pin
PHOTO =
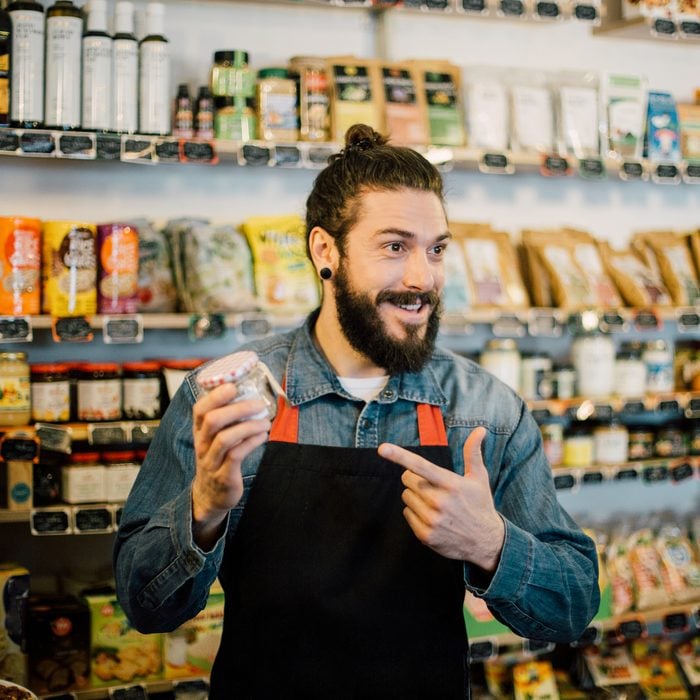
x=410, y=307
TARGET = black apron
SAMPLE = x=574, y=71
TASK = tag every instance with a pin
x=329, y=594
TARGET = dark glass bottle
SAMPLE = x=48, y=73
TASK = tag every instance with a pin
x=204, y=119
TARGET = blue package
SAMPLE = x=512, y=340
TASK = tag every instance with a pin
x=663, y=144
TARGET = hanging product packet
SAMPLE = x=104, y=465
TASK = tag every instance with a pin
x=20, y=265
x=455, y=293
x=532, y=113
x=156, y=287
x=610, y=664
x=284, y=277
x=488, y=115
x=624, y=104
x=405, y=112
x=658, y=674
x=118, y=268
x=680, y=568
x=689, y=118
x=213, y=266
x=579, y=122
x=687, y=654
x=534, y=680
x=663, y=140
x=535, y=273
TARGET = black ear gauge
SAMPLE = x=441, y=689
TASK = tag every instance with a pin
x=325, y=273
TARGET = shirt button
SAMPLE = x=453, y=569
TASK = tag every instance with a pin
x=364, y=424
x=388, y=393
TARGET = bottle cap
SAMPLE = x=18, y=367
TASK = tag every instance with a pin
x=227, y=369
x=273, y=73
x=97, y=16
x=183, y=90
x=124, y=17
x=155, y=19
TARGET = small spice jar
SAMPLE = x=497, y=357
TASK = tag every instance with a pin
x=534, y=367
x=564, y=381
x=51, y=392
x=314, y=102
x=231, y=76
x=630, y=371
x=553, y=442
x=141, y=382
x=658, y=358
x=611, y=443
x=252, y=378
x=670, y=442
x=234, y=119
x=640, y=443
x=277, y=105
x=99, y=391
x=15, y=395
x=501, y=358
x=578, y=447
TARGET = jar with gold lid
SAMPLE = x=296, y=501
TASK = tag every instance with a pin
x=15, y=396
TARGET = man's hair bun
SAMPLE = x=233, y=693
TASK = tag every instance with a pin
x=360, y=137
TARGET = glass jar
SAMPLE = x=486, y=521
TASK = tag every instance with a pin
x=658, y=358
x=578, y=448
x=252, y=378
x=314, y=102
x=234, y=119
x=640, y=443
x=501, y=358
x=630, y=371
x=594, y=360
x=611, y=443
x=231, y=76
x=564, y=381
x=553, y=442
x=277, y=105
x=83, y=479
x=141, y=382
x=99, y=391
x=670, y=442
x=174, y=372
x=534, y=367
x=51, y=392
x=15, y=394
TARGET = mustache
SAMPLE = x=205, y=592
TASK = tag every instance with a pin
x=431, y=298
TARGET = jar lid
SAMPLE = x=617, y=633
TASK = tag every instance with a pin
x=186, y=364
x=50, y=368
x=98, y=367
x=273, y=73
x=222, y=56
x=236, y=56
x=84, y=457
x=144, y=366
x=502, y=344
x=17, y=356
x=563, y=367
x=227, y=369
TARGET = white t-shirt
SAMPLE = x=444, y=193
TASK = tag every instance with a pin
x=365, y=388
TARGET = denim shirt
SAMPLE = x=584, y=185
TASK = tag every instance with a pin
x=545, y=585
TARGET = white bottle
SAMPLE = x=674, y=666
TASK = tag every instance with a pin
x=97, y=69
x=125, y=84
x=154, y=75
x=27, y=78
x=64, y=29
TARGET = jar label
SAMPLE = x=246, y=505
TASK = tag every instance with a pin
x=14, y=394
x=51, y=401
x=142, y=398
x=99, y=399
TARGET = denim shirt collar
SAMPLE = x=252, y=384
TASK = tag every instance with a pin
x=309, y=376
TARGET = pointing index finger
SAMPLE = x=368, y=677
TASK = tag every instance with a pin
x=415, y=463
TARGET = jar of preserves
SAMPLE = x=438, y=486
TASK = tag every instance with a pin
x=314, y=102
x=578, y=447
x=640, y=442
x=594, y=361
x=15, y=395
x=277, y=105
x=234, y=119
x=141, y=382
x=51, y=392
x=83, y=479
x=501, y=358
x=174, y=372
x=252, y=378
x=99, y=391
x=553, y=442
x=564, y=381
x=670, y=442
x=658, y=358
x=231, y=75
x=630, y=371
x=611, y=443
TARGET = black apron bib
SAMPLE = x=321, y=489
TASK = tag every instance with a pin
x=329, y=594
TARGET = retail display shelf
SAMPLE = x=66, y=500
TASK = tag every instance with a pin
x=195, y=687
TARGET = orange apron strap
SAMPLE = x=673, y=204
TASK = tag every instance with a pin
x=431, y=426
x=285, y=426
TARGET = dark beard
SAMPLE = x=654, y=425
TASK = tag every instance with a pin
x=359, y=319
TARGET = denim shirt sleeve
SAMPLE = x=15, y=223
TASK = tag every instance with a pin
x=545, y=586
x=162, y=577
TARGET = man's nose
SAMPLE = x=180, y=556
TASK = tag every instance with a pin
x=419, y=273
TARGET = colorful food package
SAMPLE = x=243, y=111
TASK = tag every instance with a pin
x=532, y=114
x=579, y=120
x=190, y=650
x=492, y=267
x=619, y=569
x=118, y=269
x=499, y=679
x=534, y=680
x=284, y=277
x=658, y=674
x=440, y=82
x=212, y=265
x=663, y=140
x=69, y=268
x=688, y=656
x=646, y=569
x=610, y=664
x=624, y=101
x=674, y=260
x=120, y=654
x=405, y=113
x=534, y=272
x=14, y=588
x=680, y=568
x=156, y=287
x=689, y=118
x=58, y=644
x=488, y=114
x=20, y=265
x=634, y=278
x=567, y=690
x=455, y=293
x=355, y=88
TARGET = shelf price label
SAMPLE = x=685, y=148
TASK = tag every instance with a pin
x=207, y=326
x=9, y=141
x=681, y=472
x=593, y=478
x=143, y=433
x=108, y=147
x=555, y=166
x=545, y=9
x=122, y=328
x=511, y=8
x=251, y=154
x=203, y=152
x=691, y=172
x=496, y=164
x=74, y=329
x=130, y=692
x=655, y=474
x=632, y=629
x=19, y=448
x=612, y=322
x=564, y=482
x=687, y=320
x=106, y=433
x=50, y=521
x=287, y=157
x=676, y=622
x=587, y=13
x=92, y=520
x=195, y=688
x=633, y=408
x=508, y=326
x=633, y=171
x=37, y=143
x=473, y=6
x=536, y=646
x=647, y=320
x=137, y=149
x=78, y=146
x=689, y=29
x=16, y=329
x=670, y=405
x=317, y=156
x=592, y=169
x=166, y=151
x=692, y=410
x=663, y=26
x=483, y=650
x=58, y=438
x=252, y=327
x=626, y=474
x=666, y=174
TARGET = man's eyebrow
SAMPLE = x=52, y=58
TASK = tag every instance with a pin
x=408, y=234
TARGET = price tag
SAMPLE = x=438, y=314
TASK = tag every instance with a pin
x=287, y=157
x=666, y=174
x=255, y=327
x=126, y=328
x=137, y=150
x=663, y=26
x=482, y=650
x=80, y=146
x=544, y=9
x=627, y=474
x=9, y=141
x=92, y=520
x=593, y=478
x=71, y=330
x=592, y=169
x=541, y=414
x=555, y=166
x=647, y=320
x=631, y=171
x=653, y=475
x=688, y=320
x=167, y=151
x=634, y=407
x=50, y=522
x=508, y=326
x=317, y=156
x=143, y=433
x=441, y=5
x=632, y=629
x=691, y=173
x=603, y=411
x=253, y=155
x=476, y=6
x=689, y=29
x=612, y=322
x=197, y=689
x=564, y=482
x=106, y=433
x=668, y=405
x=676, y=622
x=16, y=329
x=207, y=326
x=591, y=635
x=586, y=13
x=512, y=8
x=131, y=692
x=681, y=472
x=496, y=164
x=17, y=448
x=198, y=152
x=536, y=646
x=35, y=143
x=693, y=408
x=58, y=438
x=108, y=147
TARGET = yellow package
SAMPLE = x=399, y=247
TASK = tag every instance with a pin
x=534, y=680
x=284, y=277
x=492, y=266
x=355, y=88
x=658, y=674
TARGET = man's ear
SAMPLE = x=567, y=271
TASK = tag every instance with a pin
x=324, y=252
